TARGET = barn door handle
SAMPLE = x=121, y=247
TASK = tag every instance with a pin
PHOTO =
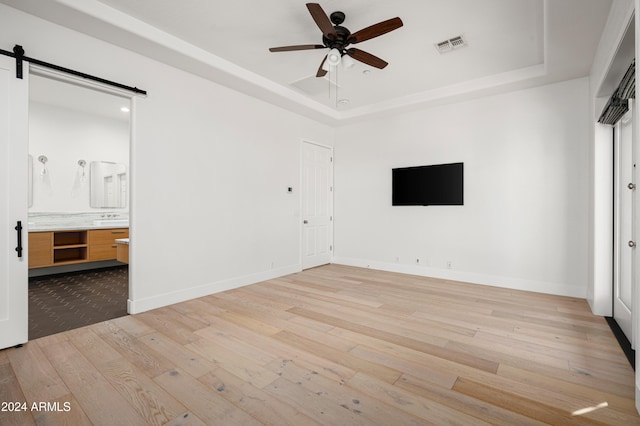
x=632, y=244
x=18, y=229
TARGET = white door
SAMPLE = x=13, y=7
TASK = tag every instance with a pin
x=14, y=107
x=317, y=205
x=624, y=235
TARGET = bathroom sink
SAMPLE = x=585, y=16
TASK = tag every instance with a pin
x=111, y=222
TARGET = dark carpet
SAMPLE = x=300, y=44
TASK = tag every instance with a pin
x=66, y=301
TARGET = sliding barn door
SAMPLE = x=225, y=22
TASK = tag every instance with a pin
x=317, y=205
x=14, y=103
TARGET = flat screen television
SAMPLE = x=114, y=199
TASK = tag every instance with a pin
x=436, y=185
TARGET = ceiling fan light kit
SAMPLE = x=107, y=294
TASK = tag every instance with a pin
x=348, y=62
x=338, y=39
x=333, y=57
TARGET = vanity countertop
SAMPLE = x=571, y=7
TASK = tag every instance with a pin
x=34, y=227
x=43, y=222
x=122, y=241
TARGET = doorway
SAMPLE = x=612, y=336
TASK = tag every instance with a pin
x=317, y=204
x=79, y=142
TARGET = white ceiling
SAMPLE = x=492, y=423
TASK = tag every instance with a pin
x=511, y=44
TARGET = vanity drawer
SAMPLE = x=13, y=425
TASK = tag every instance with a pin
x=102, y=243
x=103, y=252
x=107, y=236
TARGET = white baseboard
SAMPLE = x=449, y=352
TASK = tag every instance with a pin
x=560, y=289
x=142, y=305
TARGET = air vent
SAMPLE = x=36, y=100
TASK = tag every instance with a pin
x=457, y=42
x=450, y=44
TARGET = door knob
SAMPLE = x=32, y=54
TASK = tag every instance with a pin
x=632, y=244
x=631, y=186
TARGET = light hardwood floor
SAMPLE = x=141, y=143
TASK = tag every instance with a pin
x=335, y=346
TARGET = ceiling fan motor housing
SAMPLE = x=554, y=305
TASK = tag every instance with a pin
x=341, y=41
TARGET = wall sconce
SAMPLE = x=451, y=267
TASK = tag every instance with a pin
x=43, y=159
x=82, y=163
x=80, y=180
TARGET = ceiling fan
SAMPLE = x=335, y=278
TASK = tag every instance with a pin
x=338, y=39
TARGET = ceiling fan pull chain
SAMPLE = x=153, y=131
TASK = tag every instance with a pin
x=336, y=87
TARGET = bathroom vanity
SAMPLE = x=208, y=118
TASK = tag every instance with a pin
x=64, y=247
x=70, y=239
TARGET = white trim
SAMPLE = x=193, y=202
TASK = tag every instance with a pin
x=166, y=299
x=504, y=82
x=133, y=155
x=559, y=289
x=614, y=13
x=600, y=295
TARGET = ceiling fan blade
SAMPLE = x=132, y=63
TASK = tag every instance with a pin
x=322, y=20
x=298, y=47
x=376, y=30
x=367, y=58
x=321, y=72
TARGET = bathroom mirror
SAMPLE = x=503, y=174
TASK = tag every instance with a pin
x=108, y=184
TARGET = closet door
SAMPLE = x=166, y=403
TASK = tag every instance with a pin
x=625, y=240
x=14, y=105
x=317, y=205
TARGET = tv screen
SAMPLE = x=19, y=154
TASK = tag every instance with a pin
x=437, y=185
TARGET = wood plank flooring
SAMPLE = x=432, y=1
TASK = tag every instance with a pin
x=333, y=345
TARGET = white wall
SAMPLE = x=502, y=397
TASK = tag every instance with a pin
x=524, y=222
x=209, y=170
x=66, y=136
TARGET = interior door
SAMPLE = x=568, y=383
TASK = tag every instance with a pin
x=317, y=205
x=14, y=106
x=624, y=235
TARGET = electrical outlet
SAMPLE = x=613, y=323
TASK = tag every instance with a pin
x=397, y=259
x=449, y=264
